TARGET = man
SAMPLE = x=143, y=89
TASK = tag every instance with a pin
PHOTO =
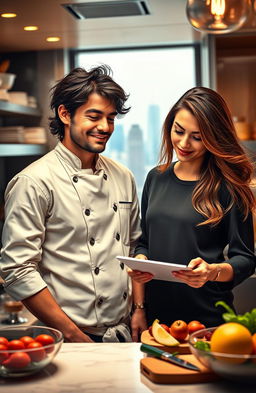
x=70, y=213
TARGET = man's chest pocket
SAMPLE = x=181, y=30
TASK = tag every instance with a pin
x=125, y=213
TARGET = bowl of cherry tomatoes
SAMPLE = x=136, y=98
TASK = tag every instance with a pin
x=25, y=350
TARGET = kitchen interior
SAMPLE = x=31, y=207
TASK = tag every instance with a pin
x=226, y=62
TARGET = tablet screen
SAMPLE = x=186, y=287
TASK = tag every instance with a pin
x=160, y=270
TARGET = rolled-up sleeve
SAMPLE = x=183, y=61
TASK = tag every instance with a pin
x=26, y=206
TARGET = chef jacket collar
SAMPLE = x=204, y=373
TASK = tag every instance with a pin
x=73, y=160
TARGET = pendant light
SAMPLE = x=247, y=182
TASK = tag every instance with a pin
x=217, y=16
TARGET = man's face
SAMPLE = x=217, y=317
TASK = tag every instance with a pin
x=91, y=126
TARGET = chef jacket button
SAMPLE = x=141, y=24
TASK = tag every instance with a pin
x=100, y=301
x=75, y=179
x=105, y=176
x=125, y=295
x=122, y=265
x=96, y=270
x=87, y=212
x=117, y=237
x=92, y=241
x=115, y=207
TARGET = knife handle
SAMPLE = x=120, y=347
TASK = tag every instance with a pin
x=149, y=349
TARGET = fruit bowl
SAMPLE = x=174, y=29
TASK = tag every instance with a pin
x=241, y=368
x=6, y=80
x=25, y=350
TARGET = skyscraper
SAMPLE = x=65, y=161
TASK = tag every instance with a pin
x=135, y=149
x=154, y=135
x=116, y=145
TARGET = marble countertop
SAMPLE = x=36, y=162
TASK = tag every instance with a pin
x=104, y=368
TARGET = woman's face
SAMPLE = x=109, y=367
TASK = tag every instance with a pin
x=186, y=138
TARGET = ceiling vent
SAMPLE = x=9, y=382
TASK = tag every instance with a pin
x=108, y=9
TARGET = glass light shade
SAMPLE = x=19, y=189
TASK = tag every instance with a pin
x=217, y=16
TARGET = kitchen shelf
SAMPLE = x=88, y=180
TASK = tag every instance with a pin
x=10, y=150
x=11, y=109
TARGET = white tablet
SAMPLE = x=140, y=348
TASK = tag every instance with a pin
x=160, y=270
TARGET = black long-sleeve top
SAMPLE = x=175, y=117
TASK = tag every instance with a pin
x=170, y=234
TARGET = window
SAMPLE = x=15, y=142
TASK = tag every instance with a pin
x=155, y=78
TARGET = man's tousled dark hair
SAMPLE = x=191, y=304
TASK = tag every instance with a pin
x=75, y=88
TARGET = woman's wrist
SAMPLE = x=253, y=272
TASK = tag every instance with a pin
x=217, y=271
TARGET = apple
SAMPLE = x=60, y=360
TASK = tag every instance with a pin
x=165, y=327
x=179, y=330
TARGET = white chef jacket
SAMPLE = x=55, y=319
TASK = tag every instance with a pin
x=63, y=228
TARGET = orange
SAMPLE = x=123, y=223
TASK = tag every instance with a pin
x=232, y=338
x=161, y=335
x=254, y=344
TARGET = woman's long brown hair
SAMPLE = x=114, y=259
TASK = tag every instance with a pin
x=225, y=159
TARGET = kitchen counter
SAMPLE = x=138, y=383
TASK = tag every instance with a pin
x=104, y=368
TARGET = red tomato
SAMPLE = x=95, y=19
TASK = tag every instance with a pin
x=3, y=353
x=36, y=355
x=208, y=336
x=45, y=339
x=179, y=330
x=16, y=344
x=17, y=360
x=27, y=340
x=4, y=341
x=193, y=326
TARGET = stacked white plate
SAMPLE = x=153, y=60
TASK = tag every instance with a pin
x=20, y=134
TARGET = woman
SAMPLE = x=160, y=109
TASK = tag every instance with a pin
x=193, y=209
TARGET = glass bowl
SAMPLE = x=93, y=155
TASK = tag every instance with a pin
x=16, y=362
x=241, y=368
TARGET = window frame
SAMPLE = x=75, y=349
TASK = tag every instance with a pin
x=73, y=54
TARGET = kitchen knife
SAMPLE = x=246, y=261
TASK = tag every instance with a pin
x=168, y=357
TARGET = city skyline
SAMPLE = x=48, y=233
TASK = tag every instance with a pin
x=136, y=148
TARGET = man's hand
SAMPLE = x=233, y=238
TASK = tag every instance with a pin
x=78, y=337
x=138, y=324
x=44, y=306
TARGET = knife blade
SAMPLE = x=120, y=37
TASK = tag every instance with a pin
x=149, y=349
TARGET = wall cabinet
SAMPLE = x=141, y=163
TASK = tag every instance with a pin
x=236, y=77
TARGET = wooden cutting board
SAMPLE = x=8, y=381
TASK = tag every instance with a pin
x=160, y=371
x=182, y=348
